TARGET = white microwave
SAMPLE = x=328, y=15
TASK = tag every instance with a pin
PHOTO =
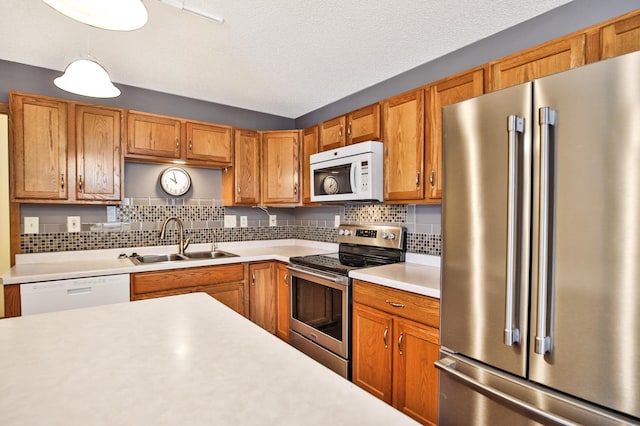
x=349, y=173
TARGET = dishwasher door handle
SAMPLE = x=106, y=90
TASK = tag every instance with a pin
x=81, y=290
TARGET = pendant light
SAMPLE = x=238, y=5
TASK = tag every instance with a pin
x=118, y=15
x=86, y=77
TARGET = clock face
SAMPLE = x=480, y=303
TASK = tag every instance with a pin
x=175, y=181
x=330, y=185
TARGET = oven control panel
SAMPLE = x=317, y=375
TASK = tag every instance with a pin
x=372, y=235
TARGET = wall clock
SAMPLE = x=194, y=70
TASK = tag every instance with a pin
x=175, y=181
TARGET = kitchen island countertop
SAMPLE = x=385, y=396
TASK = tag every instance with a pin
x=184, y=359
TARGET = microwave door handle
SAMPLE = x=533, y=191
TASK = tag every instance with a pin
x=352, y=177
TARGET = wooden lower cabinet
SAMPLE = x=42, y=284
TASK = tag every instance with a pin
x=394, y=356
x=283, y=302
x=225, y=283
x=262, y=295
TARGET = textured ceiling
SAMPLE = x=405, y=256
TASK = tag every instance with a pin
x=284, y=57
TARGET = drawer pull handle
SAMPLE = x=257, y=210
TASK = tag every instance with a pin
x=394, y=304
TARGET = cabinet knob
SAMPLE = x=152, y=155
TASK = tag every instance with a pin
x=253, y=278
x=295, y=189
x=190, y=145
x=238, y=189
x=286, y=277
x=80, y=183
x=340, y=132
x=177, y=143
x=432, y=178
x=349, y=130
x=400, y=342
x=62, y=180
x=418, y=180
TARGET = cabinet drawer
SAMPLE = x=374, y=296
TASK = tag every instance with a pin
x=151, y=282
x=423, y=309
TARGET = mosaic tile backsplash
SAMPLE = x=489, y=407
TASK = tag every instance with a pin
x=138, y=223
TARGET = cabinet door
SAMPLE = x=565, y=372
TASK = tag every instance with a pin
x=152, y=136
x=280, y=167
x=364, y=124
x=332, y=133
x=247, y=167
x=210, y=143
x=620, y=37
x=284, y=302
x=415, y=378
x=98, y=160
x=231, y=294
x=262, y=296
x=39, y=148
x=372, y=348
x=309, y=146
x=539, y=61
x=403, y=117
x=440, y=94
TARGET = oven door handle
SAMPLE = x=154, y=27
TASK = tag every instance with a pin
x=332, y=278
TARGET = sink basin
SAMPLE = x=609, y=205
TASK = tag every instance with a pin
x=218, y=254
x=140, y=259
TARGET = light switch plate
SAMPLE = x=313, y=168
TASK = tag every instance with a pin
x=73, y=223
x=243, y=221
x=230, y=221
x=273, y=220
x=336, y=221
x=31, y=225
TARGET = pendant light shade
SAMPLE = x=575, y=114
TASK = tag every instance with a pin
x=118, y=15
x=87, y=78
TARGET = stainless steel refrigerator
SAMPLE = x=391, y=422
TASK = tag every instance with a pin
x=540, y=298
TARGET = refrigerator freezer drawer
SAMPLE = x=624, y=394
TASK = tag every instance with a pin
x=474, y=394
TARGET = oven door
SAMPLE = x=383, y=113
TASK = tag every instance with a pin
x=320, y=308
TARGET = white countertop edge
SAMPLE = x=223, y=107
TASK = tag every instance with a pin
x=423, y=259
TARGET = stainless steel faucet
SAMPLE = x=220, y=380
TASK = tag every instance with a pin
x=182, y=243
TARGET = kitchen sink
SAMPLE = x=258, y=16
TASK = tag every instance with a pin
x=218, y=254
x=140, y=259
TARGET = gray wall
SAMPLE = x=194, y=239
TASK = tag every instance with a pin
x=571, y=17
x=25, y=78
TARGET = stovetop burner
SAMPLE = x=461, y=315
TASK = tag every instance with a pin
x=361, y=246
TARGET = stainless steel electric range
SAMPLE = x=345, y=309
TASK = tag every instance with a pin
x=321, y=295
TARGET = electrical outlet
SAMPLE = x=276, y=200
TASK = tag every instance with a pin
x=73, y=223
x=31, y=225
x=111, y=213
x=336, y=221
x=243, y=221
x=273, y=220
x=230, y=221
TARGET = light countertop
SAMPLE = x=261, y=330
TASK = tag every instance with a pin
x=184, y=359
x=419, y=274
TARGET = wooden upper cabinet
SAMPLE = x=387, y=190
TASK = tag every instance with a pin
x=309, y=146
x=539, y=61
x=364, y=124
x=246, y=170
x=152, y=136
x=358, y=126
x=332, y=133
x=209, y=142
x=280, y=167
x=98, y=159
x=403, y=123
x=39, y=148
x=440, y=94
x=620, y=37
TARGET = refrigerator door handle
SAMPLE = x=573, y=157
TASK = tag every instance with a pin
x=515, y=126
x=547, y=119
x=448, y=366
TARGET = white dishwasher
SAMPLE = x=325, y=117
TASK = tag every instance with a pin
x=60, y=295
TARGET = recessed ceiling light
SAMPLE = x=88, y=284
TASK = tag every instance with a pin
x=118, y=15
